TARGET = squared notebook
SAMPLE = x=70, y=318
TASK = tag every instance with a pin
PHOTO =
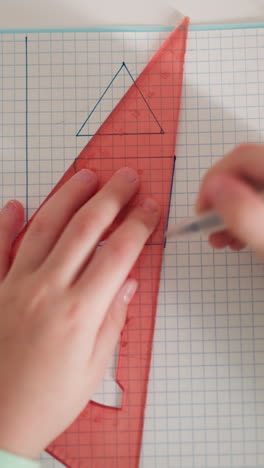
x=205, y=404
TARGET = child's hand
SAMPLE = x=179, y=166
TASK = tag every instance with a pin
x=231, y=188
x=62, y=305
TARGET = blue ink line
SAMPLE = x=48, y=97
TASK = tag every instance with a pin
x=26, y=73
x=170, y=196
x=78, y=134
x=119, y=134
x=98, y=102
x=145, y=100
x=130, y=157
x=150, y=28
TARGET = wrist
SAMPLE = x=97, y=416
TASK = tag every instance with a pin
x=19, y=441
x=10, y=460
x=19, y=433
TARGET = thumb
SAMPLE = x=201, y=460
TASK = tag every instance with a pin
x=110, y=330
x=241, y=208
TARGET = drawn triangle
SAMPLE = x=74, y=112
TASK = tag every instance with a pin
x=133, y=115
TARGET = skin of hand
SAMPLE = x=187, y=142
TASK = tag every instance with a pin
x=63, y=303
x=232, y=187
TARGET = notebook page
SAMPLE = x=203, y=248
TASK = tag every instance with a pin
x=205, y=406
x=205, y=399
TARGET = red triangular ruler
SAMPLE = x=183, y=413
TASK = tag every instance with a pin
x=109, y=437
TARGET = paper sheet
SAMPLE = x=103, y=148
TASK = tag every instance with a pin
x=205, y=400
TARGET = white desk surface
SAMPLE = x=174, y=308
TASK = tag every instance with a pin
x=88, y=13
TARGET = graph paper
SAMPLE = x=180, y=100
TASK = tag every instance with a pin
x=205, y=405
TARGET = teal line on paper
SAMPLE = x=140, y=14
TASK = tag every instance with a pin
x=194, y=27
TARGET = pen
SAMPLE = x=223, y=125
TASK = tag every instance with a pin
x=205, y=223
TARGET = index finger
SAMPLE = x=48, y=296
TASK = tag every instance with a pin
x=112, y=263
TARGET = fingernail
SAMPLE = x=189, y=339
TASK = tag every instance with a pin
x=10, y=207
x=85, y=175
x=128, y=174
x=129, y=290
x=150, y=205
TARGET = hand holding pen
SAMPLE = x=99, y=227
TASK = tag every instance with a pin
x=230, y=206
